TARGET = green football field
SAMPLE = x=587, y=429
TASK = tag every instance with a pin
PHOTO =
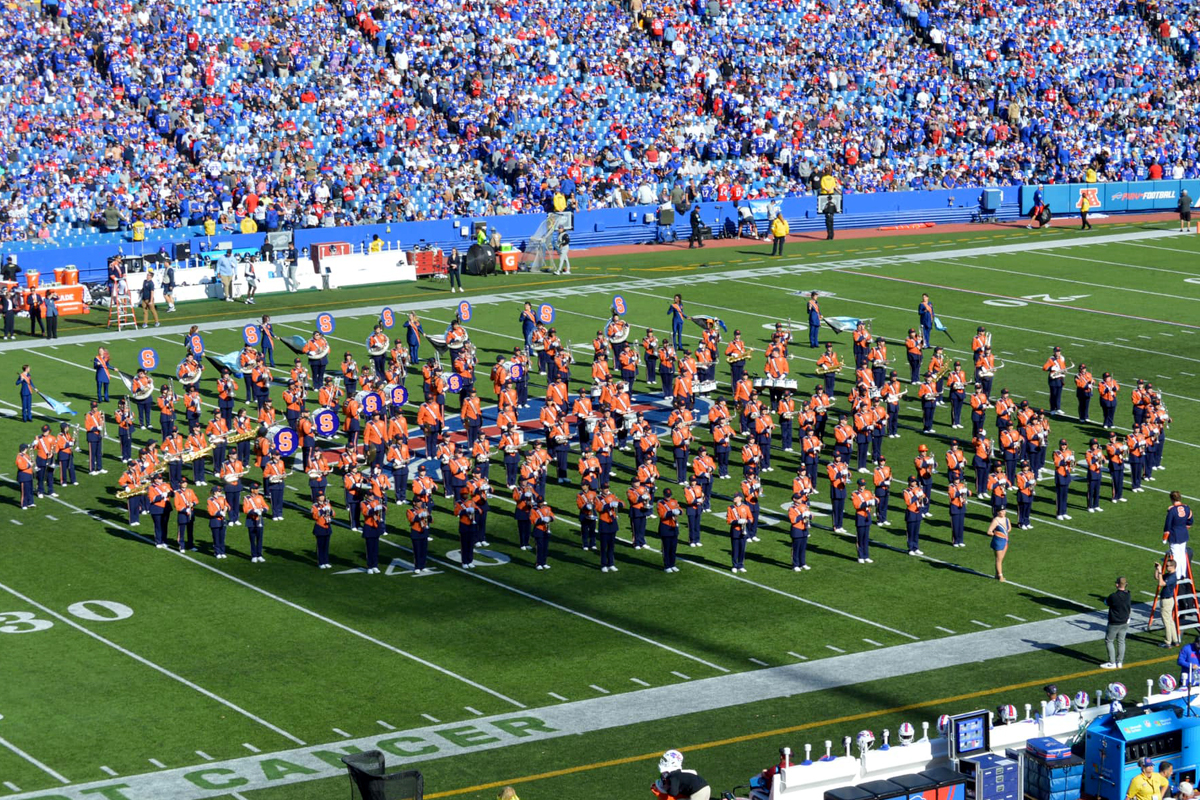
x=132, y=672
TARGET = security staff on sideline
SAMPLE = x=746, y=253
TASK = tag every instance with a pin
x=829, y=209
x=697, y=223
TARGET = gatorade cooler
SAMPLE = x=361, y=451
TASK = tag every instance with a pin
x=32, y=278
x=58, y=275
x=70, y=277
x=509, y=261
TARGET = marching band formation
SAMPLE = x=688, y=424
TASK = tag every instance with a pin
x=349, y=424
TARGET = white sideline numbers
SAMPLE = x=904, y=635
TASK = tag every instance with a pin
x=1012, y=302
x=90, y=610
x=22, y=622
x=108, y=611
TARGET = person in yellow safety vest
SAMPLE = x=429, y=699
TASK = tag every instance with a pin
x=779, y=232
x=248, y=225
x=829, y=184
x=1084, y=207
x=139, y=230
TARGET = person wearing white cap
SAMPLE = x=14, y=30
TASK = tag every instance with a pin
x=677, y=782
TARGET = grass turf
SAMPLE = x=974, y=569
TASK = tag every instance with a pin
x=309, y=651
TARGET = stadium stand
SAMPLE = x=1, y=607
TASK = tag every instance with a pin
x=307, y=114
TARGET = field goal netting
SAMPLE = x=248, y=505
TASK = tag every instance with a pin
x=545, y=239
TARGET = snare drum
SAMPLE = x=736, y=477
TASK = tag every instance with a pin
x=787, y=383
x=590, y=423
x=630, y=420
x=706, y=387
x=596, y=392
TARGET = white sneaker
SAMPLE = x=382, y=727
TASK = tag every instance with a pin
x=1120, y=665
x=1066, y=516
x=796, y=569
x=604, y=569
x=1108, y=665
x=806, y=566
x=870, y=561
x=612, y=569
x=862, y=561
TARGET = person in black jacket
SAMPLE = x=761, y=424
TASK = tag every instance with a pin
x=829, y=209
x=1118, y=624
x=680, y=783
x=8, y=306
x=454, y=270
x=697, y=226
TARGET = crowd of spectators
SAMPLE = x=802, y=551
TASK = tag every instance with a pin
x=251, y=115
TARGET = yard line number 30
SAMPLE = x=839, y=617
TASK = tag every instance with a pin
x=90, y=610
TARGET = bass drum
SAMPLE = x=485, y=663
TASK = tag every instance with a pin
x=480, y=260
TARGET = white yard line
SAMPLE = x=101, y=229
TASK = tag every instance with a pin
x=1056, y=524
x=951, y=350
x=1057, y=336
x=1122, y=289
x=148, y=663
x=771, y=589
x=1170, y=249
x=558, y=606
x=1127, y=266
x=49, y=771
x=297, y=607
